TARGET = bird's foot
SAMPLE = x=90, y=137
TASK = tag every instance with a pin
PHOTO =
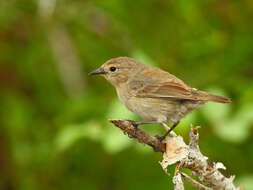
x=135, y=124
x=160, y=137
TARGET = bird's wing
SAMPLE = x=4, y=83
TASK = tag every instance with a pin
x=160, y=84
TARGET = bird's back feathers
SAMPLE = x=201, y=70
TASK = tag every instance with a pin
x=156, y=83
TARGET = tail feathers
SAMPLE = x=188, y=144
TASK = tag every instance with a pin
x=219, y=99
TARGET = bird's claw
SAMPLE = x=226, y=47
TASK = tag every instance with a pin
x=160, y=137
x=133, y=123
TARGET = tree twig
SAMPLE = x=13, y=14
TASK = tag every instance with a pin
x=194, y=182
x=188, y=156
x=178, y=182
x=128, y=128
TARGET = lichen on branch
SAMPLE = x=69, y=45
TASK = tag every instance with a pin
x=176, y=151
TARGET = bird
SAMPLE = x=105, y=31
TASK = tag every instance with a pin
x=157, y=96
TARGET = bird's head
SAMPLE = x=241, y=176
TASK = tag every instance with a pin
x=117, y=70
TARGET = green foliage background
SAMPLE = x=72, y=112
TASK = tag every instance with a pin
x=54, y=129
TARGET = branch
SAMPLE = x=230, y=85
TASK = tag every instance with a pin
x=194, y=182
x=175, y=150
x=128, y=128
x=178, y=182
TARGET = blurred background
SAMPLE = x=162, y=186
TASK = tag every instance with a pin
x=54, y=129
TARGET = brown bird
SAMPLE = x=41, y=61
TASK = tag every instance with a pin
x=155, y=95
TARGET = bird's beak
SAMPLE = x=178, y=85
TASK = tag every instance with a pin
x=98, y=71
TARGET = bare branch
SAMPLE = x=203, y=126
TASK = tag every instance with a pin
x=178, y=182
x=175, y=150
x=128, y=128
x=207, y=172
x=194, y=182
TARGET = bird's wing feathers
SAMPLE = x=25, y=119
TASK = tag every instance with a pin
x=162, y=85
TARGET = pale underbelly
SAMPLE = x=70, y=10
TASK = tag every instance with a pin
x=160, y=110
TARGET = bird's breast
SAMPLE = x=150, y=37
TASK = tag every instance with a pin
x=125, y=97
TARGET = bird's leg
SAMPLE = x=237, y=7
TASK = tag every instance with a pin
x=173, y=127
x=138, y=123
x=169, y=130
x=165, y=126
x=145, y=122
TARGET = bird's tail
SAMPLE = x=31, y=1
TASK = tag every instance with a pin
x=219, y=99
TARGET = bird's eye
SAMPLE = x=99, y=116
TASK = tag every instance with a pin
x=112, y=69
